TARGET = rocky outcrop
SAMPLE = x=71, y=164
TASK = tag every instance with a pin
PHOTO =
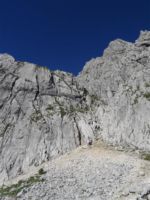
x=44, y=113
x=41, y=115
x=121, y=80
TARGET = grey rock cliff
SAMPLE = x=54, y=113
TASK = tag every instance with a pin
x=41, y=115
x=44, y=113
x=121, y=80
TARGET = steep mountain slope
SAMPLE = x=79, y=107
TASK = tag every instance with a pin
x=98, y=172
x=41, y=115
x=44, y=114
x=121, y=80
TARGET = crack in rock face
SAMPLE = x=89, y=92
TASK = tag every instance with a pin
x=38, y=107
x=44, y=113
x=121, y=80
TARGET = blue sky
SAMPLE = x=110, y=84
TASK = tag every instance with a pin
x=64, y=34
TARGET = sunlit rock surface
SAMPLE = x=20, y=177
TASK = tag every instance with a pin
x=40, y=114
x=121, y=81
x=44, y=114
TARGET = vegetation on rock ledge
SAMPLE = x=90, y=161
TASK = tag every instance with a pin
x=14, y=189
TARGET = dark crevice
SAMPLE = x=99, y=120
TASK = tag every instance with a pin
x=12, y=87
x=79, y=133
x=6, y=75
x=6, y=116
x=74, y=131
x=38, y=88
x=145, y=196
x=66, y=83
x=5, y=129
x=51, y=80
x=145, y=44
x=19, y=111
x=1, y=106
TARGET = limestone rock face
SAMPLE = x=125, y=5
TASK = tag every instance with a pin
x=44, y=113
x=121, y=81
x=40, y=114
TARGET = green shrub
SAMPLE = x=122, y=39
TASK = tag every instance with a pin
x=50, y=107
x=62, y=112
x=136, y=100
x=147, y=84
x=146, y=156
x=36, y=116
x=77, y=109
x=147, y=95
x=41, y=171
x=94, y=98
x=14, y=189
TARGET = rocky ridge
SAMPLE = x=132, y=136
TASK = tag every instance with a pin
x=44, y=114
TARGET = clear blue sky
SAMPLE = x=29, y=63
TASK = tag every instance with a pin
x=64, y=34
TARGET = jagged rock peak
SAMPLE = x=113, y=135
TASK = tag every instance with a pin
x=144, y=39
x=117, y=46
x=7, y=59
